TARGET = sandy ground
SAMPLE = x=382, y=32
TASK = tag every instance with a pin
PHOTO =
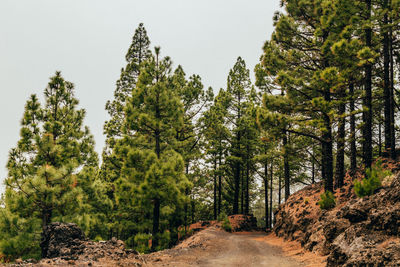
x=213, y=247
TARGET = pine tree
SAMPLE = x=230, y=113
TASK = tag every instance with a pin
x=154, y=112
x=137, y=53
x=48, y=170
x=194, y=99
x=215, y=143
x=238, y=87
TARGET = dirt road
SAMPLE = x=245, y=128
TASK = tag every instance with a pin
x=213, y=247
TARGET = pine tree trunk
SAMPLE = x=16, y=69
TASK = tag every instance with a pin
x=367, y=114
x=386, y=83
x=238, y=163
x=242, y=193
x=327, y=143
x=215, y=189
x=193, y=209
x=156, y=208
x=340, y=146
x=353, y=146
x=247, y=193
x=280, y=190
x=313, y=166
x=237, y=189
x=380, y=137
x=327, y=155
x=286, y=166
x=219, y=184
x=392, y=101
x=156, y=222
x=186, y=203
x=266, y=193
x=46, y=219
x=270, y=194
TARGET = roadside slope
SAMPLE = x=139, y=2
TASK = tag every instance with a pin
x=357, y=232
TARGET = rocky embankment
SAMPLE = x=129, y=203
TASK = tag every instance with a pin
x=357, y=232
x=65, y=244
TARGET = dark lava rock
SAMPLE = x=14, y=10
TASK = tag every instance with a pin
x=243, y=222
x=355, y=213
x=358, y=232
x=62, y=240
x=65, y=243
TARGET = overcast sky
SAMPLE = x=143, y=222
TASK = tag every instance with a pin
x=88, y=39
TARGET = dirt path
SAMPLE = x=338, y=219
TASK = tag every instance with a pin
x=213, y=247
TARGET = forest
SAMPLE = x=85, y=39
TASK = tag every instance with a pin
x=323, y=106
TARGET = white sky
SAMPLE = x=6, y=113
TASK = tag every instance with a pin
x=87, y=40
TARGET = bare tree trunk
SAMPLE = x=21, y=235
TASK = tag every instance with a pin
x=340, y=146
x=270, y=195
x=215, y=189
x=266, y=193
x=367, y=114
x=353, y=146
x=386, y=82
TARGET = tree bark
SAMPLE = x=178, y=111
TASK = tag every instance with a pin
x=46, y=219
x=219, y=183
x=392, y=103
x=286, y=165
x=270, y=195
x=280, y=190
x=386, y=82
x=339, y=181
x=238, y=163
x=237, y=188
x=313, y=166
x=266, y=193
x=247, y=193
x=156, y=222
x=367, y=101
x=186, y=203
x=353, y=146
x=215, y=189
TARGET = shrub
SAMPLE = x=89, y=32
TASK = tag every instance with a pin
x=164, y=240
x=327, y=201
x=183, y=234
x=142, y=242
x=222, y=216
x=372, y=180
x=226, y=224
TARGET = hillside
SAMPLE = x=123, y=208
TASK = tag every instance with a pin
x=357, y=232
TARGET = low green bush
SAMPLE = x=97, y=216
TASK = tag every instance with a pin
x=183, y=234
x=226, y=224
x=142, y=242
x=221, y=217
x=164, y=240
x=372, y=180
x=327, y=201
